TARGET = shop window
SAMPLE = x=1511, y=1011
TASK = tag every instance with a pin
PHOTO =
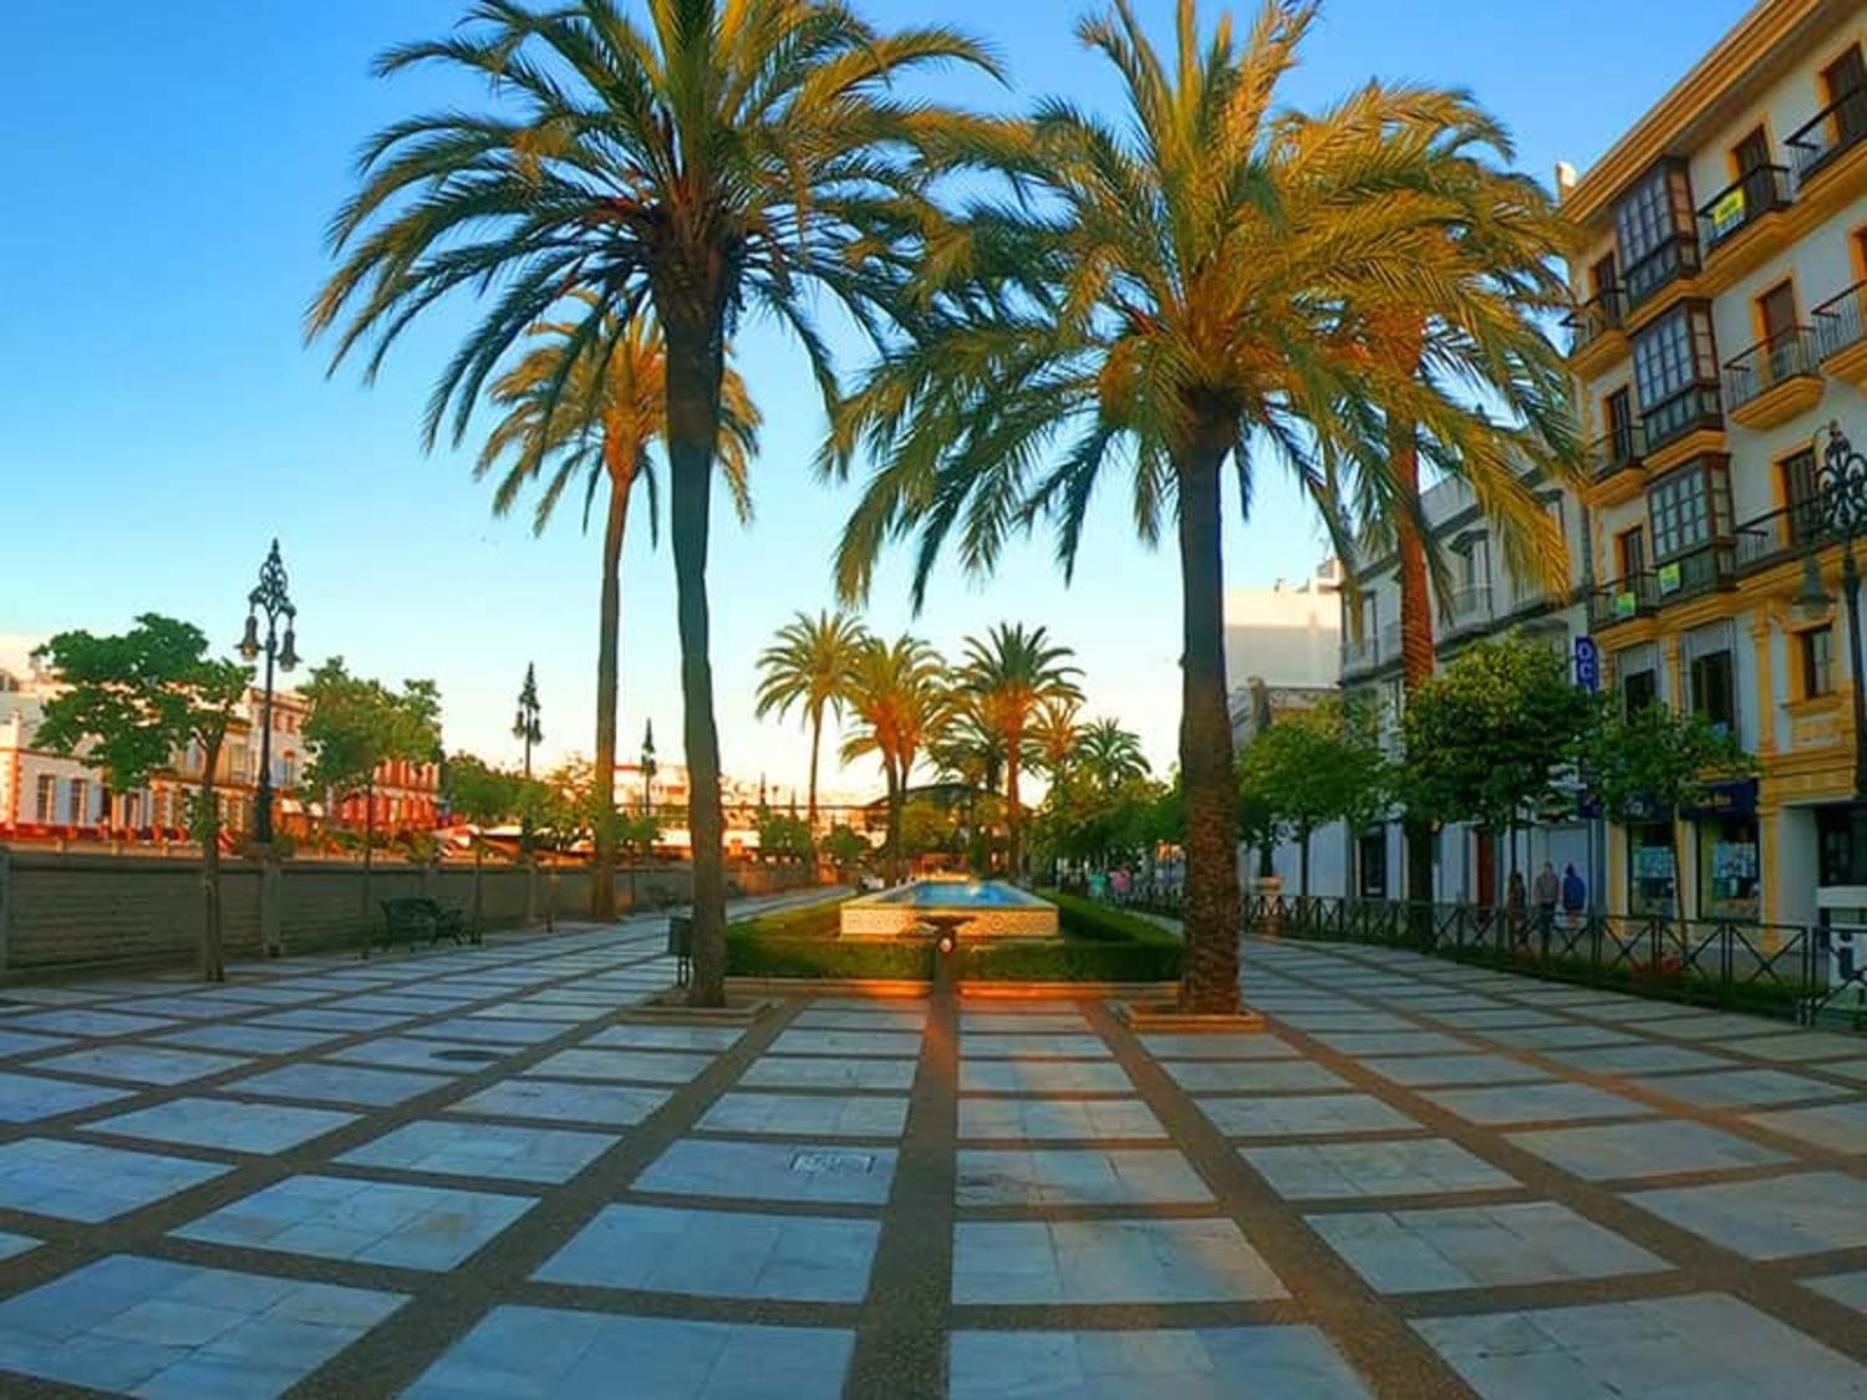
x=1841, y=833
x=1728, y=869
x=1818, y=662
x=1372, y=863
x=1713, y=693
x=1652, y=871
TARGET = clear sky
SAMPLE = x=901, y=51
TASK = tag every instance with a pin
x=168, y=172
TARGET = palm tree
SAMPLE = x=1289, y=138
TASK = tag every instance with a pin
x=719, y=156
x=1180, y=293
x=599, y=428
x=1051, y=740
x=898, y=697
x=1009, y=675
x=809, y=666
x=1110, y=754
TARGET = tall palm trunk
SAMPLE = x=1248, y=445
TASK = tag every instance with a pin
x=213, y=962
x=816, y=742
x=1014, y=824
x=695, y=364
x=609, y=610
x=1416, y=634
x=897, y=866
x=1212, y=911
x=369, y=855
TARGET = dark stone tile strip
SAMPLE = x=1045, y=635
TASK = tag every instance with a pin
x=900, y=1348
x=1375, y=1339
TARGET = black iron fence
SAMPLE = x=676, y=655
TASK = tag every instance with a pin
x=1797, y=972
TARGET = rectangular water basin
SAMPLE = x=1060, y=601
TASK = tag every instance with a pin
x=971, y=908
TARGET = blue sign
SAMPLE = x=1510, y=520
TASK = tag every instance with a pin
x=1588, y=664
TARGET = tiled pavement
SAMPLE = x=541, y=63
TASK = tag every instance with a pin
x=483, y=1173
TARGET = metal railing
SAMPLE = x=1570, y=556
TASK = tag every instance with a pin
x=1359, y=653
x=1471, y=605
x=1839, y=126
x=1841, y=321
x=1758, y=191
x=1594, y=318
x=1787, y=355
x=1617, y=450
x=1710, y=566
x=1623, y=600
x=1673, y=259
x=1785, y=970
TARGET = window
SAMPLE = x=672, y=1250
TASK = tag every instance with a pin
x=1689, y=508
x=1373, y=863
x=44, y=799
x=1818, y=662
x=1845, y=76
x=1672, y=357
x=1800, y=496
x=1713, y=693
x=1639, y=689
x=1604, y=276
x=1620, y=415
x=77, y=802
x=1752, y=153
x=1651, y=214
x=1630, y=547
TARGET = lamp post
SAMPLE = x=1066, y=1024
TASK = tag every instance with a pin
x=648, y=768
x=269, y=597
x=1840, y=512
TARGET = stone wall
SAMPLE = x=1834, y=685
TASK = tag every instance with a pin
x=63, y=911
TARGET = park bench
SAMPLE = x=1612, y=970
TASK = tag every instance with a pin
x=681, y=947
x=415, y=916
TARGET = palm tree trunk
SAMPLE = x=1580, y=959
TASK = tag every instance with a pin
x=816, y=741
x=1014, y=825
x=1416, y=629
x=369, y=855
x=1212, y=910
x=695, y=363
x=609, y=623
x=213, y=963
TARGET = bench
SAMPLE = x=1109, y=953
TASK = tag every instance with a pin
x=414, y=916
x=681, y=947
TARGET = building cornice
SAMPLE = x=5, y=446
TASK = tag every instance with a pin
x=1721, y=78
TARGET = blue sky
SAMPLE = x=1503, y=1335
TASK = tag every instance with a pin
x=169, y=171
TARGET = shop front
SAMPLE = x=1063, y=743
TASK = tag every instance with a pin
x=1728, y=851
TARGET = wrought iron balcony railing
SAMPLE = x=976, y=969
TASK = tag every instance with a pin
x=1841, y=322
x=1623, y=600
x=1605, y=311
x=1838, y=127
x=1769, y=363
x=1677, y=257
x=1746, y=199
x=1617, y=450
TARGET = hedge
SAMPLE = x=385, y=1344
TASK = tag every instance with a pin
x=749, y=955
x=1069, y=960
x=812, y=921
x=1090, y=921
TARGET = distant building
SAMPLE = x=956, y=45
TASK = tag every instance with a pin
x=1287, y=636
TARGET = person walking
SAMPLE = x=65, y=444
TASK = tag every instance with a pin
x=1574, y=894
x=1547, y=890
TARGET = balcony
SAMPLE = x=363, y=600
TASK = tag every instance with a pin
x=1636, y=595
x=1782, y=534
x=1836, y=129
x=1470, y=607
x=1673, y=426
x=1597, y=332
x=1619, y=450
x=1709, y=568
x=1741, y=204
x=1359, y=654
x=1841, y=335
x=1774, y=380
x=1674, y=260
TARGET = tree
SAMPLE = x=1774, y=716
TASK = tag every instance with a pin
x=845, y=847
x=482, y=795
x=139, y=703
x=808, y=665
x=719, y=157
x=1644, y=764
x=1110, y=754
x=898, y=698
x=1490, y=738
x=784, y=838
x=1052, y=737
x=591, y=409
x=1008, y=675
x=353, y=726
x=1178, y=294
x=926, y=827
x=1316, y=766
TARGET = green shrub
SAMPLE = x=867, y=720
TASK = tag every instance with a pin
x=1089, y=921
x=812, y=921
x=763, y=955
x=1069, y=960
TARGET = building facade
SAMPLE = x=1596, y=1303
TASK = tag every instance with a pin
x=1719, y=352
x=1484, y=599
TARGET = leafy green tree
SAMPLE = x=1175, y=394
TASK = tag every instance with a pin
x=133, y=706
x=784, y=838
x=846, y=848
x=482, y=795
x=353, y=726
x=1109, y=754
x=1312, y=768
x=1176, y=296
x=589, y=409
x=1645, y=764
x=719, y=157
x=808, y=665
x=1055, y=730
x=1490, y=739
x=926, y=827
x=1008, y=676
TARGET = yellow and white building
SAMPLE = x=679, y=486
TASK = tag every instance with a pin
x=1721, y=331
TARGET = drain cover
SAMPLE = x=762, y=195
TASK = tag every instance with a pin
x=834, y=1163
x=472, y=1056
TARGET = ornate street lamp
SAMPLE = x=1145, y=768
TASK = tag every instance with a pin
x=525, y=726
x=269, y=597
x=1840, y=511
